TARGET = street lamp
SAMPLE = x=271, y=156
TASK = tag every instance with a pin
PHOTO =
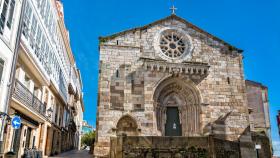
x=50, y=111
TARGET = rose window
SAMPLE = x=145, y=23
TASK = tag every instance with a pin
x=172, y=44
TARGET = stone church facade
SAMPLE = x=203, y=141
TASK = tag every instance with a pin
x=169, y=78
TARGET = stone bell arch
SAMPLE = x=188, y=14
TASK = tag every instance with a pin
x=181, y=96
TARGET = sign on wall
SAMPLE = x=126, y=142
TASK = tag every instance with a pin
x=16, y=122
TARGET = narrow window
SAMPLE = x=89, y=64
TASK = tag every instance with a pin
x=43, y=5
x=228, y=80
x=47, y=14
x=50, y=22
x=33, y=32
x=117, y=42
x=38, y=43
x=132, y=86
x=46, y=57
x=117, y=74
x=1, y=68
x=39, y=2
x=42, y=51
x=26, y=21
x=3, y=15
x=11, y=14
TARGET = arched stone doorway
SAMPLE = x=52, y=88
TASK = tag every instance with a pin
x=128, y=126
x=177, y=107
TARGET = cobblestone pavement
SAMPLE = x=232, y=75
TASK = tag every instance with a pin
x=75, y=154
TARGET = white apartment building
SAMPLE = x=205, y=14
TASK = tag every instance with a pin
x=47, y=93
x=9, y=19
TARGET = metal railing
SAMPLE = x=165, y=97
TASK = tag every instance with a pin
x=32, y=153
x=23, y=95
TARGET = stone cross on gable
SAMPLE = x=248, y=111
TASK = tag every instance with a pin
x=173, y=9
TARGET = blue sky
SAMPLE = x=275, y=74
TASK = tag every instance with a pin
x=251, y=25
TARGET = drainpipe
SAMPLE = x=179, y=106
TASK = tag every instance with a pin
x=12, y=75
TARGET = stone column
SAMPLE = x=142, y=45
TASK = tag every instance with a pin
x=58, y=114
x=48, y=141
x=43, y=137
x=31, y=86
x=39, y=94
x=59, y=140
x=9, y=138
x=22, y=139
x=34, y=132
x=20, y=75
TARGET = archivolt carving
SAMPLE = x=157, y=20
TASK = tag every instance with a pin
x=175, y=92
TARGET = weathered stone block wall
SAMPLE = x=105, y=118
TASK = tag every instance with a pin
x=117, y=88
x=166, y=147
x=137, y=91
x=258, y=103
x=223, y=100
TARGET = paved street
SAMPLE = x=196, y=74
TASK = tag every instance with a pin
x=74, y=154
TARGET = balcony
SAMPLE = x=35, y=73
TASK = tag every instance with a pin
x=71, y=87
x=72, y=125
x=23, y=95
x=74, y=107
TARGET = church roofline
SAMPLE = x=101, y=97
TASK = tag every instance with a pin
x=173, y=16
x=250, y=82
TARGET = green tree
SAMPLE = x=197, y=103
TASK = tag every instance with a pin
x=88, y=139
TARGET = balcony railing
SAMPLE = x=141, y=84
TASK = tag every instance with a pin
x=23, y=95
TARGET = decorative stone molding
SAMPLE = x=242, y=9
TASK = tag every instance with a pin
x=186, y=68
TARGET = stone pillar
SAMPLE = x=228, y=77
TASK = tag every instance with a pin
x=48, y=141
x=9, y=136
x=59, y=139
x=31, y=86
x=58, y=114
x=44, y=138
x=40, y=94
x=22, y=140
x=34, y=133
x=38, y=137
x=43, y=89
x=20, y=75
x=54, y=111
